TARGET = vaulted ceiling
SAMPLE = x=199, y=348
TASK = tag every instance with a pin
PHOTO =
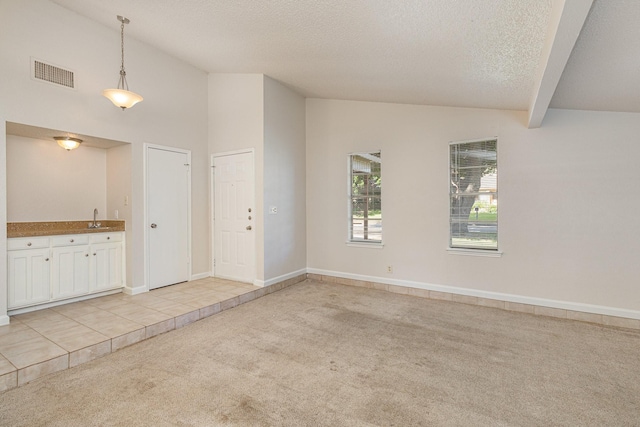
x=505, y=54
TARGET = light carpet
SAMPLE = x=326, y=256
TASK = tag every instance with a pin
x=319, y=354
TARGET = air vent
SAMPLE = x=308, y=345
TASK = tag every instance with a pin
x=52, y=74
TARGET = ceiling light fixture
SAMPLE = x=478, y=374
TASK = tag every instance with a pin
x=67, y=142
x=122, y=97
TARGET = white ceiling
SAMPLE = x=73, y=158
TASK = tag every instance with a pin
x=45, y=134
x=603, y=72
x=505, y=54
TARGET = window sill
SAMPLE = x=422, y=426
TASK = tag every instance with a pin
x=365, y=245
x=474, y=252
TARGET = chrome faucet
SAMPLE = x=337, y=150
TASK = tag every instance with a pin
x=95, y=224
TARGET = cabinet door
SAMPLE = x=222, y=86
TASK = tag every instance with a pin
x=106, y=266
x=70, y=271
x=29, y=277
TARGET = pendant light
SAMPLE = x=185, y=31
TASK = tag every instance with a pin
x=67, y=142
x=122, y=97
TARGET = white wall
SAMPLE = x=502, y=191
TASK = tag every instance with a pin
x=4, y=319
x=257, y=112
x=119, y=194
x=174, y=112
x=284, y=180
x=568, y=216
x=236, y=112
x=47, y=183
x=236, y=122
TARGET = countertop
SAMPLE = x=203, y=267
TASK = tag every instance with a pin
x=52, y=228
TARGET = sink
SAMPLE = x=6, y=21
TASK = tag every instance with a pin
x=98, y=228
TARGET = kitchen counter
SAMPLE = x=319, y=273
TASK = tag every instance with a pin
x=52, y=228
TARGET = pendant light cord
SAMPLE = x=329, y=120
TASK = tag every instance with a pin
x=122, y=83
x=122, y=45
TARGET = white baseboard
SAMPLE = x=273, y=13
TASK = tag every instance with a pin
x=200, y=275
x=273, y=281
x=543, y=302
x=4, y=320
x=135, y=291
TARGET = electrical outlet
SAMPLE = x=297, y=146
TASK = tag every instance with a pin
x=273, y=210
x=389, y=269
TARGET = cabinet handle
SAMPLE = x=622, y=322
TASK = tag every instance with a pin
x=29, y=244
x=46, y=259
x=108, y=237
x=71, y=240
x=86, y=254
x=94, y=254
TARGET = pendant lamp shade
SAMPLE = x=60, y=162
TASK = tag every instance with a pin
x=121, y=96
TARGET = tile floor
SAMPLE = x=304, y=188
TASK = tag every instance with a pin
x=45, y=341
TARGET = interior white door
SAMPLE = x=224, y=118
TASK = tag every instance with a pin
x=234, y=217
x=168, y=186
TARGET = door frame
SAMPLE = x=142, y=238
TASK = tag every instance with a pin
x=212, y=197
x=145, y=166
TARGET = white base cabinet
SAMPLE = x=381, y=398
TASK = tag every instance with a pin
x=70, y=272
x=29, y=277
x=106, y=268
x=46, y=269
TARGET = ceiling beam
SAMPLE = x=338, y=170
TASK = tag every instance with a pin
x=565, y=23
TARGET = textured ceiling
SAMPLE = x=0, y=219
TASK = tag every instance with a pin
x=603, y=72
x=469, y=53
x=472, y=53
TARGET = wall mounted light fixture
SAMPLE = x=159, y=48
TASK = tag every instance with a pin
x=122, y=97
x=67, y=142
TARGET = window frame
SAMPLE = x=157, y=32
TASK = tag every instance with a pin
x=470, y=249
x=361, y=242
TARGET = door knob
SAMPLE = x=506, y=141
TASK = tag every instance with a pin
x=248, y=227
x=154, y=225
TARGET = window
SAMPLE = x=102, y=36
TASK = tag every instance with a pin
x=473, y=194
x=365, y=202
